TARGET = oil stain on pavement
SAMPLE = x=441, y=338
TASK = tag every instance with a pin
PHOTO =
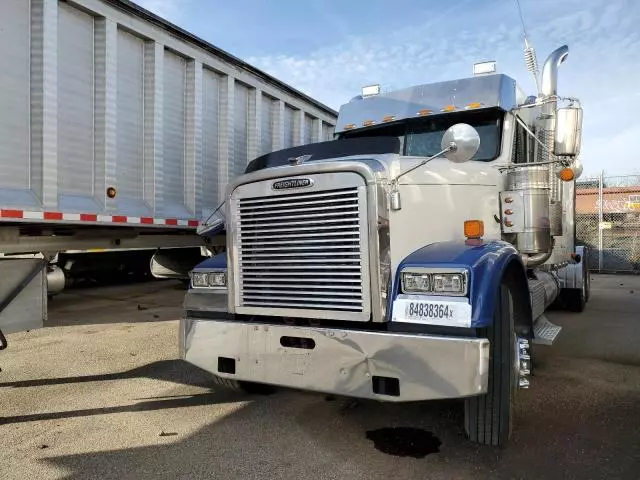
x=405, y=441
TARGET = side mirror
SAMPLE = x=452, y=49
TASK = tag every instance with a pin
x=568, y=131
x=462, y=142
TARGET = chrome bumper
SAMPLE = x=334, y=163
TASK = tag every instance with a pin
x=342, y=362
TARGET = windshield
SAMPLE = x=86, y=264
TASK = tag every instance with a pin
x=422, y=136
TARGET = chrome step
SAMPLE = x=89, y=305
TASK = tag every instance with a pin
x=545, y=332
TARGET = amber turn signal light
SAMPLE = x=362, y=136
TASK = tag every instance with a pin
x=473, y=228
x=566, y=174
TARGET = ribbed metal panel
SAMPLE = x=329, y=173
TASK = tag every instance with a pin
x=210, y=137
x=130, y=108
x=308, y=130
x=14, y=93
x=75, y=102
x=268, y=119
x=289, y=114
x=44, y=103
x=106, y=112
x=302, y=250
x=193, y=139
x=153, y=122
x=327, y=132
x=239, y=159
x=95, y=96
x=173, y=130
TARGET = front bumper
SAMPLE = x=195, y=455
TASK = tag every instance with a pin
x=342, y=362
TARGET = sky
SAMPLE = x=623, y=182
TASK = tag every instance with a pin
x=329, y=49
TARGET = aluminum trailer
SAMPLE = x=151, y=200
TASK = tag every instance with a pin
x=119, y=131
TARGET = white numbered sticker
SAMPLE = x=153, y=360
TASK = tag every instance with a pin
x=432, y=310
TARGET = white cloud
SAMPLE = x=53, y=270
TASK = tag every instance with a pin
x=602, y=68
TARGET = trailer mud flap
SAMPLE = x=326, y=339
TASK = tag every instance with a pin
x=23, y=295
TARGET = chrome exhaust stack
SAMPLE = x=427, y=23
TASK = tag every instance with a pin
x=547, y=132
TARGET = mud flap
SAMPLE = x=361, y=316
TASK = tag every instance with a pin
x=23, y=295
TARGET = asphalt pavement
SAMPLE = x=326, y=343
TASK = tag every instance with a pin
x=100, y=394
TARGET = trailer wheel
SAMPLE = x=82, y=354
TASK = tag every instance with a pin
x=575, y=299
x=243, y=387
x=489, y=417
x=587, y=281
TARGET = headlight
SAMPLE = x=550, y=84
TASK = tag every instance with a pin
x=435, y=282
x=416, y=282
x=218, y=279
x=449, y=283
x=209, y=279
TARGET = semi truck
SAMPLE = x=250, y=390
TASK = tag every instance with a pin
x=118, y=133
x=410, y=258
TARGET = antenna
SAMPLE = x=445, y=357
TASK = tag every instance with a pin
x=529, y=51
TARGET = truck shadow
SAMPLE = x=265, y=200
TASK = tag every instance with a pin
x=175, y=371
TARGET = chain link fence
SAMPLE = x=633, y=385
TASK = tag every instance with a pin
x=608, y=222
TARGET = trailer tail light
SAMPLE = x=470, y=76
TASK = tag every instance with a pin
x=473, y=228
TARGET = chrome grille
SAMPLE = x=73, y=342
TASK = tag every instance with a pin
x=302, y=251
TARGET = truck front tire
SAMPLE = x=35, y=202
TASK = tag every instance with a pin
x=489, y=417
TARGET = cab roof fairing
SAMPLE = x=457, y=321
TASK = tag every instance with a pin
x=490, y=91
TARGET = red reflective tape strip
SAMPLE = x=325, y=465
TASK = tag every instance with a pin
x=88, y=217
x=146, y=220
x=119, y=219
x=193, y=223
x=171, y=221
x=52, y=216
x=11, y=213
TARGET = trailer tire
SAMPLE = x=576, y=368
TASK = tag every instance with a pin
x=489, y=417
x=574, y=299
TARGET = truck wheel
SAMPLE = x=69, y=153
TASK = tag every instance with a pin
x=586, y=277
x=574, y=299
x=488, y=418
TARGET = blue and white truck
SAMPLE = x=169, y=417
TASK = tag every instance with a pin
x=411, y=258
